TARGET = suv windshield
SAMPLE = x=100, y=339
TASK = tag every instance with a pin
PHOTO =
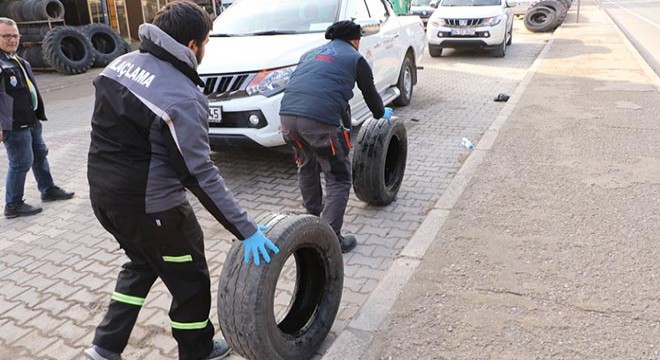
x=421, y=3
x=470, y=2
x=258, y=17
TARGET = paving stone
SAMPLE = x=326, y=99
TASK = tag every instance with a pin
x=11, y=332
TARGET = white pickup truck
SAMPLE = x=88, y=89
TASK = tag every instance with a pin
x=255, y=45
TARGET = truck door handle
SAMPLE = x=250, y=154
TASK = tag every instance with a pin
x=395, y=36
x=377, y=45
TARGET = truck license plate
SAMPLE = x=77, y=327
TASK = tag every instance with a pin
x=463, y=32
x=215, y=114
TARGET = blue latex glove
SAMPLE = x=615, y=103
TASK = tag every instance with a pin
x=256, y=244
x=388, y=113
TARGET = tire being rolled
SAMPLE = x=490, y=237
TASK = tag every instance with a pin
x=379, y=161
x=246, y=293
x=68, y=50
x=107, y=44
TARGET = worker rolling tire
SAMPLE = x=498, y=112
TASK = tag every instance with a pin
x=107, y=44
x=68, y=50
x=246, y=292
x=379, y=161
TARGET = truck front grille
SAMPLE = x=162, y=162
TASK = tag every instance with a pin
x=217, y=86
x=464, y=22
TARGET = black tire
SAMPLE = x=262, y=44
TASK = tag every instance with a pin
x=508, y=42
x=246, y=292
x=45, y=9
x=379, y=161
x=560, y=10
x=107, y=44
x=407, y=76
x=68, y=51
x=435, y=51
x=33, y=10
x=500, y=51
x=33, y=55
x=540, y=19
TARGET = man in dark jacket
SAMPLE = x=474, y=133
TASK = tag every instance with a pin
x=314, y=103
x=21, y=113
x=149, y=144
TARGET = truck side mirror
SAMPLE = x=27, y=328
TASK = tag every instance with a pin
x=368, y=26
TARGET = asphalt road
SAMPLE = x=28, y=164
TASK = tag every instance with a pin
x=640, y=21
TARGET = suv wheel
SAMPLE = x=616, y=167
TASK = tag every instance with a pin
x=435, y=52
x=501, y=49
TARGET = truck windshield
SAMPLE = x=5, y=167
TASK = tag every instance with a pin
x=470, y=2
x=421, y=3
x=258, y=17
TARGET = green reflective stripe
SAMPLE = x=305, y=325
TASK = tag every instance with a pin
x=178, y=259
x=190, y=326
x=127, y=299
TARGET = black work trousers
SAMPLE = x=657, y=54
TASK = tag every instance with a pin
x=321, y=147
x=169, y=245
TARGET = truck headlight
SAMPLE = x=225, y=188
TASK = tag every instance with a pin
x=492, y=21
x=437, y=22
x=270, y=82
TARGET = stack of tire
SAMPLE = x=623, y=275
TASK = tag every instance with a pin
x=546, y=15
x=47, y=43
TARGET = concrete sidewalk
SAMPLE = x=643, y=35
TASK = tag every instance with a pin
x=547, y=241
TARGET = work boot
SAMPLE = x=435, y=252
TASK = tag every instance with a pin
x=98, y=353
x=20, y=209
x=347, y=243
x=56, y=193
x=220, y=350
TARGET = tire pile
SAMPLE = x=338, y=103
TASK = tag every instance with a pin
x=546, y=15
x=47, y=43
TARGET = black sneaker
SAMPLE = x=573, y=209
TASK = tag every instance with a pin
x=219, y=351
x=56, y=193
x=97, y=353
x=347, y=243
x=20, y=209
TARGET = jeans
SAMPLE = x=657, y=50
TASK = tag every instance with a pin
x=25, y=149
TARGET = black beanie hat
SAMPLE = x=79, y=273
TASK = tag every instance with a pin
x=345, y=30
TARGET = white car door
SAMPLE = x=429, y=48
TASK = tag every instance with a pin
x=370, y=47
x=388, y=51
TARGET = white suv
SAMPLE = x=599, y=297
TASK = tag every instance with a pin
x=485, y=24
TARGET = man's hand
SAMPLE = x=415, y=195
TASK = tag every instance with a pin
x=388, y=114
x=255, y=245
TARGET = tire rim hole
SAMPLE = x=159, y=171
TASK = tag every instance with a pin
x=299, y=291
x=393, y=163
x=71, y=48
x=103, y=43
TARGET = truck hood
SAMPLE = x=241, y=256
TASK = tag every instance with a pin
x=241, y=54
x=467, y=12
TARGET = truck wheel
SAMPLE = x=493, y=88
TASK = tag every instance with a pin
x=246, y=292
x=379, y=161
x=501, y=49
x=435, y=52
x=405, y=83
x=68, y=51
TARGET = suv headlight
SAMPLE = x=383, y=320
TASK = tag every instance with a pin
x=270, y=82
x=437, y=22
x=492, y=21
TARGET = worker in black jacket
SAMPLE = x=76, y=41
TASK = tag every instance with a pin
x=149, y=143
x=21, y=114
x=315, y=121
